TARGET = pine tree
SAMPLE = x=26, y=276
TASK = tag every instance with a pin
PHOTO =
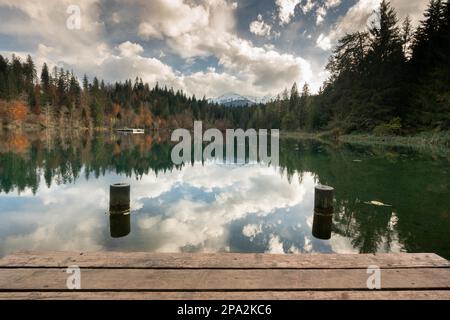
x=30, y=74
x=45, y=85
x=85, y=84
x=293, y=99
x=430, y=65
x=386, y=66
x=427, y=35
x=304, y=106
x=386, y=43
x=3, y=77
x=407, y=37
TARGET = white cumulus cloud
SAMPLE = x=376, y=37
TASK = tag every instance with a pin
x=260, y=28
x=359, y=16
x=286, y=10
x=323, y=42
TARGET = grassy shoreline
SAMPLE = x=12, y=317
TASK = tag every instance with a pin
x=306, y=135
x=425, y=141
x=422, y=140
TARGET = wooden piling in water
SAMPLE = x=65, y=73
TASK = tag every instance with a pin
x=323, y=212
x=323, y=199
x=321, y=228
x=119, y=198
x=119, y=210
x=119, y=224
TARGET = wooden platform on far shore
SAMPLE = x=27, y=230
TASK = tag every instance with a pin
x=117, y=275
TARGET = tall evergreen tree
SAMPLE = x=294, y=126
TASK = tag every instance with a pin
x=386, y=65
x=3, y=78
x=430, y=68
x=407, y=37
x=45, y=85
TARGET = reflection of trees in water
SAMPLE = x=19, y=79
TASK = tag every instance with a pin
x=416, y=185
x=365, y=225
x=63, y=158
x=368, y=227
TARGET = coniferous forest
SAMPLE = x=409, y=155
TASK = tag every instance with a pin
x=388, y=80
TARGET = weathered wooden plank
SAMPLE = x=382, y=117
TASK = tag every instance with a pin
x=233, y=295
x=221, y=260
x=222, y=279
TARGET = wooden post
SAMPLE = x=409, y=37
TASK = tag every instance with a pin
x=323, y=212
x=321, y=228
x=119, y=198
x=119, y=224
x=323, y=199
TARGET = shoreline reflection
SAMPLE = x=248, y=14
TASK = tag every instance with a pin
x=54, y=192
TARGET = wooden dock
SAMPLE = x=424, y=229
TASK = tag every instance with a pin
x=114, y=275
x=131, y=130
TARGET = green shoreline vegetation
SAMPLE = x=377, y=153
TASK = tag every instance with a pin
x=388, y=85
x=422, y=139
x=436, y=143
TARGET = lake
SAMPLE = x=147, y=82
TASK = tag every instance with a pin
x=54, y=195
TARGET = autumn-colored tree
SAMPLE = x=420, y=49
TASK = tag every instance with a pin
x=116, y=109
x=145, y=116
x=17, y=143
x=115, y=115
x=14, y=111
x=117, y=149
x=37, y=109
x=3, y=108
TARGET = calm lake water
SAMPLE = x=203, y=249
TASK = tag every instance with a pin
x=54, y=195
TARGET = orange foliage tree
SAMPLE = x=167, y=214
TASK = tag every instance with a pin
x=17, y=143
x=37, y=110
x=14, y=111
x=116, y=114
x=145, y=116
x=116, y=110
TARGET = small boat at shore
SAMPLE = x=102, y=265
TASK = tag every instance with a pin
x=131, y=130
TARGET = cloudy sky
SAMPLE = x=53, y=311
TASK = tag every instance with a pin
x=205, y=47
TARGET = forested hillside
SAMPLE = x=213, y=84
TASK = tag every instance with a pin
x=388, y=79
x=58, y=99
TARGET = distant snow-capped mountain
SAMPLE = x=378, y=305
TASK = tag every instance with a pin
x=237, y=100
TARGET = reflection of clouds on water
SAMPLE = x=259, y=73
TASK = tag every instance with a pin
x=392, y=244
x=275, y=245
x=341, y=244
x=63, y=217
x=307, y=244
x=251, y=230
x=187, y=209
x=208, y=208
x=197, y=213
